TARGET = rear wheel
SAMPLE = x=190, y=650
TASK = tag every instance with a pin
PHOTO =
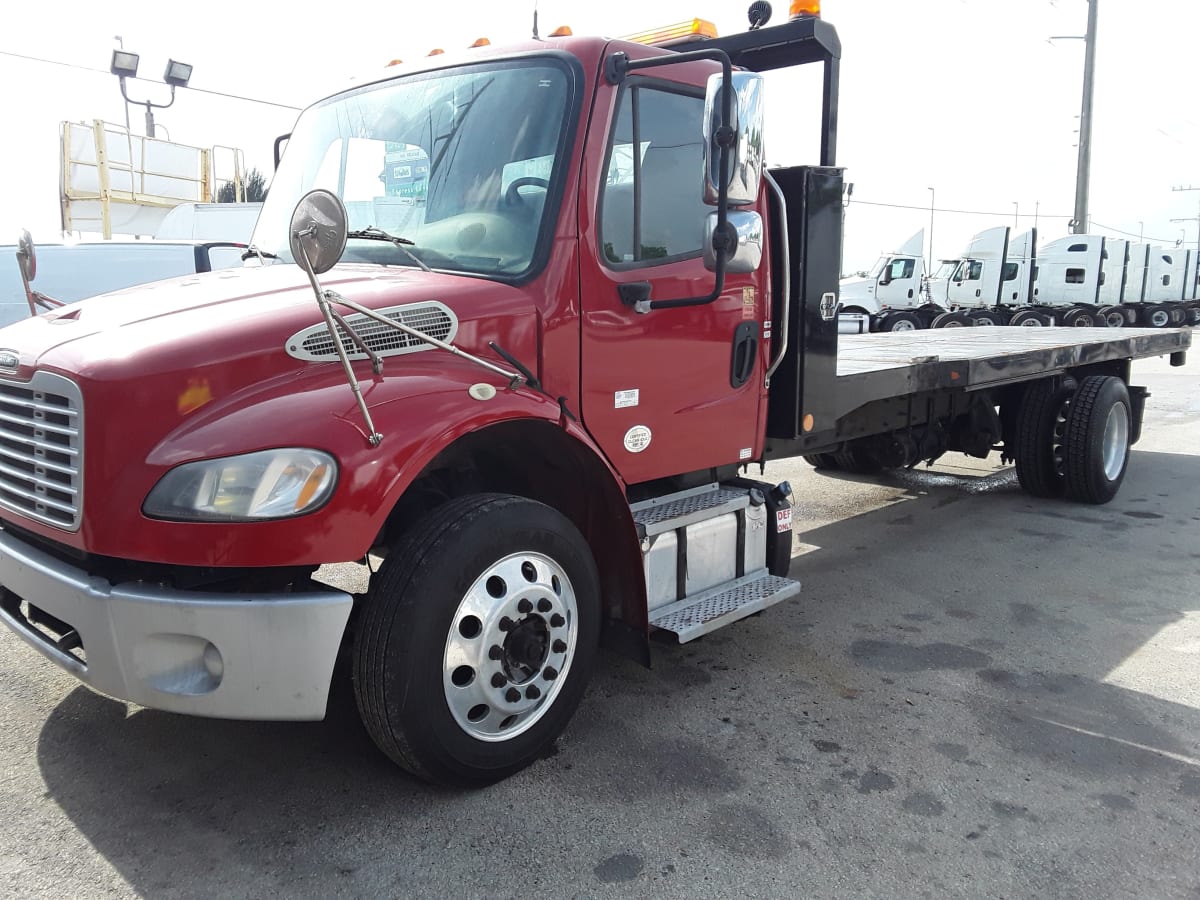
x=1110, y=316
x=1041, y=435
x=1156, y=317
x=952, y=320
x=900, y=320
x=477, y=639
x=822, y=460
x=985, y=317
x=1028, y=318
x=1079, y=317
x=1193, y=313
x=857, y=461
x=1099, y=429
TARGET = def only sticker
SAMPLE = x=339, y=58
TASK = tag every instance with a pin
x=637, y=438
x=783, y=519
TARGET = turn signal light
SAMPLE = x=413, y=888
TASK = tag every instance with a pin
x=562, y=31
x=800, y=8
x=437, y=51
x=683, y=33
x=395, y=62
x=481, y=42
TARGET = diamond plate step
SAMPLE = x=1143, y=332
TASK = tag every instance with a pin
x=688, y=508
x=694, y=616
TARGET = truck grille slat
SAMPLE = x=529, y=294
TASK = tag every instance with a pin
x=41, y=449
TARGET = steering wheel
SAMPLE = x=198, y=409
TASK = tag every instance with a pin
x=512, y=196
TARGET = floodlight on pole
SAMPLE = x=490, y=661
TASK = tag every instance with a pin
x=125, y=65
x=932, y=198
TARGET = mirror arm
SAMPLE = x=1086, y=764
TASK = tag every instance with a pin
x=616, y=67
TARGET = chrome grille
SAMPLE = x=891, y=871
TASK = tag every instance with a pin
x=41, y=449
x=316, y=344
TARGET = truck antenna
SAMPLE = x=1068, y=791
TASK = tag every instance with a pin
x=535, y=34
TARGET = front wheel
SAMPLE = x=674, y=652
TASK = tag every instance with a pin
x=477, y=639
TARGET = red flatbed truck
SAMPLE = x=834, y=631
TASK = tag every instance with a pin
x=548, y=381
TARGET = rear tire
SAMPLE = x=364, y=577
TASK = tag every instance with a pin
x=952, y=320
x=477, y=639
x=1111, y=317
x=1155, y=317
x=1028, y=318
x=1079, y=317
x=1041, y=433
x=822, y=460
x=900, y=320
x=857, y=461
x=985, y=318
x=1099, y=427
x=1193, y=313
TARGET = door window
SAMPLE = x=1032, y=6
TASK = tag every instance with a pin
x=652, y=208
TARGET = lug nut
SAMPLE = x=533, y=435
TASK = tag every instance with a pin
x=532, y=692
x=524, y=606
x=556, y=621
x=498, y=680
x=544, y=605
x=549, y=673
x=559, y=646
x=512, y=695
x=495, y=652
x=506, y=624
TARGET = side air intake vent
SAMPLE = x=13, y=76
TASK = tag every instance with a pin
x=315, y=344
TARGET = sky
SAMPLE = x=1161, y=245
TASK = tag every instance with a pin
x=968, y=97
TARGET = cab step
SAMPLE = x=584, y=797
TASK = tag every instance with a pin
x=726, y=603
x=685, y=508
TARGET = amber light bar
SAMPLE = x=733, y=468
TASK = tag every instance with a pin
x=684, y=32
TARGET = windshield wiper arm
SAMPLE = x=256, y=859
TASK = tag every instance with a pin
x=371, y=233
x=261, y=254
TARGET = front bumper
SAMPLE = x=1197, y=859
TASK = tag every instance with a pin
x=233, y=656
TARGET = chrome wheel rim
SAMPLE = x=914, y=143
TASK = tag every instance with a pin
x=510, y=646
x=984, y=322
x=1116, y=440
x=1031, y=322
x=903, y=325
x=1159, y=318
x=1115, y=320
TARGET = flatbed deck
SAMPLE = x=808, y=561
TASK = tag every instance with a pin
x=892, y=364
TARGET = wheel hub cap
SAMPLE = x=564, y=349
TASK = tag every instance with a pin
x=1116, y=440
x=510, y=646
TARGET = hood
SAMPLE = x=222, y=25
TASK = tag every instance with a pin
x=224, y=315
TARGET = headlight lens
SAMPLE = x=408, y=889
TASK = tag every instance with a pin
x=270, y=484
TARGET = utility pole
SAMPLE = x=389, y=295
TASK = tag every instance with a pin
x=1195, y=219
x=1083, y=175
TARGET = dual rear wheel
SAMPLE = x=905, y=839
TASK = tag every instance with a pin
x=1074, y=441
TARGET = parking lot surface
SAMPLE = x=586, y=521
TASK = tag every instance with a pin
x=976, y=694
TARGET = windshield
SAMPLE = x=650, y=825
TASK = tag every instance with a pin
x=877, y=269
x=946, y=269
x=460, y=162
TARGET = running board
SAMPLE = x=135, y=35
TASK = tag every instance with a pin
x=727, y=603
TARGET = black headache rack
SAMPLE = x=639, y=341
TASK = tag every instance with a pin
x=802, y=394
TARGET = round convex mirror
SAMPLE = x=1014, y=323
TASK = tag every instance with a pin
x=26, y=257
x=318, y=230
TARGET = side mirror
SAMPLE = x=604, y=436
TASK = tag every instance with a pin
x=885, y=277
x=746, y=156
x=26, y=257
x=746, y=255
x=280, y=143
x=317, y=232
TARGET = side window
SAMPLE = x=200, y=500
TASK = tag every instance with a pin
x=1075, y=276
x=652, y=205
x=902, y=268
x=1077, y=248
x=1010, y=271
x=974, y=270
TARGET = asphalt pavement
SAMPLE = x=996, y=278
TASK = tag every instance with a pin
x=976, y=694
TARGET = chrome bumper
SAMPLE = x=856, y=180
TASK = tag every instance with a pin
x=244, y=656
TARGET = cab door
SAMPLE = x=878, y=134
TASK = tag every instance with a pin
x=672, y=390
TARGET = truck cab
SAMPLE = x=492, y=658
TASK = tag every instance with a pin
x=894, y=282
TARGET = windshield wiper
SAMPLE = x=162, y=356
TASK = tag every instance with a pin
x=261, y=254
x=371, y=233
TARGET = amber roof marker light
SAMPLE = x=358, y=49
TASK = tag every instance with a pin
x=801, y=8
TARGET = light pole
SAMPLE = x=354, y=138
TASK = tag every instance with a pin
x=932, y=198
x=1016, y=215
x=125, y=65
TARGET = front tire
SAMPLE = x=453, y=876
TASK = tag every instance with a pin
x=477, y=639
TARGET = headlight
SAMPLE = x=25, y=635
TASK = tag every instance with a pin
x=270, y=484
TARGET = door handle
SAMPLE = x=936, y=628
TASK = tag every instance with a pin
x=745, y=352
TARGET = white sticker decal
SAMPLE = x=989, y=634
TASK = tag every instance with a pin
x=625, y=399
x=745, y=452
x=783, y=519
x=637, y=438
